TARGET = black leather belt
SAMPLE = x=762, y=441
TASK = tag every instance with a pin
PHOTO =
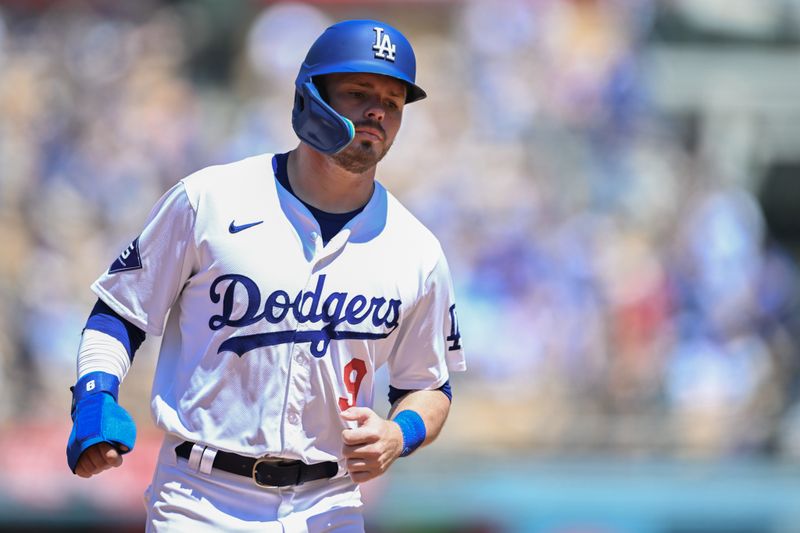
x=266, y=471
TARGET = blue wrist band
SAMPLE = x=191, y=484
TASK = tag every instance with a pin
x=93, y=383
x=413, y=428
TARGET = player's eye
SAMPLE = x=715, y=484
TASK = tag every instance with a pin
x=356, y=94
x=391, y=104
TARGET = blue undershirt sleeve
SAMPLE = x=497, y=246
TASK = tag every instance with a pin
x=395, y=393
x=106, y=320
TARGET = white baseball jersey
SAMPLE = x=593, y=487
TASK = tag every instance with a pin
x=271, y=334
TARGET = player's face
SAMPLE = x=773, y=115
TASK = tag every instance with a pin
x=374, y=104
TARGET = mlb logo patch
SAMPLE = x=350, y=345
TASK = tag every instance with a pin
x=129, y=259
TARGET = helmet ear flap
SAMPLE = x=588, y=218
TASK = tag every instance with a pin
x=317, y=123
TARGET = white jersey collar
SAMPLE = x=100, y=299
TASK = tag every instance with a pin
x=363, y=227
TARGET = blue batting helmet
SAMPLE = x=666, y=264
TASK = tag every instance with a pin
x=366, y=46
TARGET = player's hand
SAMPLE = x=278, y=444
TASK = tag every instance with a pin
x=98, y=458
x=372, y=446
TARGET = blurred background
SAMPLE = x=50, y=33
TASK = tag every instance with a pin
x=616, y=184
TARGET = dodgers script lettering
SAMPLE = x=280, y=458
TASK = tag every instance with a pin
x=379, y=315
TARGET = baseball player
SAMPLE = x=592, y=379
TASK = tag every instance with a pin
x=280, y=283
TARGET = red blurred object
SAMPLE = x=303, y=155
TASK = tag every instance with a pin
x=36, y=476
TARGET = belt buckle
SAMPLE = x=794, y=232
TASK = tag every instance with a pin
x=265, y=459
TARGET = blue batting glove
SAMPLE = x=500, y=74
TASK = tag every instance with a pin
x=97, y=417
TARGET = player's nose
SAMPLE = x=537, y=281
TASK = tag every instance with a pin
x=375, y=111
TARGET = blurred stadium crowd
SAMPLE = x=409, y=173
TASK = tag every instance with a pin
x=617, y=291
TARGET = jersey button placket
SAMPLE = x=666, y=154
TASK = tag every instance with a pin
x=299, y=381
x=301, y=365
x=298, y=390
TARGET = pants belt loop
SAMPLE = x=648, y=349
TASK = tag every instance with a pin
x=207, y=461
x=196, y=456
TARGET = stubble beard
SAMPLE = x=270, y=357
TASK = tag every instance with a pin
x=359, y=157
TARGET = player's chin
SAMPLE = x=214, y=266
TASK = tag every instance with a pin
x=359, y=156
x=370, y=148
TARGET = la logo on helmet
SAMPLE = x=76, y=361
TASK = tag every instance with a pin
x=384, y=49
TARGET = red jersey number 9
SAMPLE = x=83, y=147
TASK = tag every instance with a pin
x=354, y=372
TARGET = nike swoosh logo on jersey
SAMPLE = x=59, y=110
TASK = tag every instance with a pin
x=233, y=228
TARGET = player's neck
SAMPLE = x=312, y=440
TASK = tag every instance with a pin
x=318, y=181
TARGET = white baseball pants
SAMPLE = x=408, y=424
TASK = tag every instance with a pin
x=182, y=499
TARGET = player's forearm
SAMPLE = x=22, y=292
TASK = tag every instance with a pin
x=108, y=343
x=432, y=405
x=102, y=429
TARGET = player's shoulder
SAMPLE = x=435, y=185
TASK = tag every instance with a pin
x=233, y=176
x=406, y=228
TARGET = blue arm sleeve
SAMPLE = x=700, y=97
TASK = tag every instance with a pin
x=104, y=319
x=395, y=394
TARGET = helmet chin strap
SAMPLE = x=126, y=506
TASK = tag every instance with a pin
x=318, y=124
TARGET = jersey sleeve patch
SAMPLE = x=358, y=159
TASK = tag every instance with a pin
x=129, y=259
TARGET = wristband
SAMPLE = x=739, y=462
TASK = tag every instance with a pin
x=413, y=428
x=94, y=383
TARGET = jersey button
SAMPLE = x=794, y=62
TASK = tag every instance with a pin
x=301, y=359
x=314, y=235
x=293, y=417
